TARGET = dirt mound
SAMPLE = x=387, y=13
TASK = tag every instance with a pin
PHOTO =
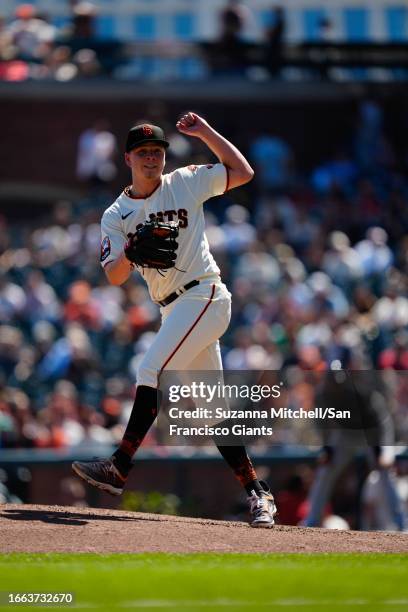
x=27, y=528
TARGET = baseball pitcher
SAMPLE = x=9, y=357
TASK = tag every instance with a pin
x=156, y=227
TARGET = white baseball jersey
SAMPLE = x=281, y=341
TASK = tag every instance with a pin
x=178, y=197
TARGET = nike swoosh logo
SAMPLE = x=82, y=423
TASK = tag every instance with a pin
x=129, y=213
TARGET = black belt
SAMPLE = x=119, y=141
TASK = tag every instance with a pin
x=173, y=296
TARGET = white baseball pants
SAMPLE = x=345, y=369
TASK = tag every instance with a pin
x=188, y=336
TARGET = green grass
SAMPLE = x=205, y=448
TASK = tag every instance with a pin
x=236, y=582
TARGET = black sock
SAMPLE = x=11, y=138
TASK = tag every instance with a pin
x=143, y=415
x=238, y=460
x=256, y=486
x=122, y=461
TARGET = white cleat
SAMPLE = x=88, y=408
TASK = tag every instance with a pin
x=262, y=508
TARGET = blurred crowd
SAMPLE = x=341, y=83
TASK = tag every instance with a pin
x=33, y=47
x=317, y=265
x=89, y=43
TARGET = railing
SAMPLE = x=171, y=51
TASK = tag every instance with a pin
x=302, y=55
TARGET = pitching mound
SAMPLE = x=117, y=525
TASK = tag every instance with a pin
x=44, y=529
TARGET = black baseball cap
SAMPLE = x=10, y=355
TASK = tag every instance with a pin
x=143, y=134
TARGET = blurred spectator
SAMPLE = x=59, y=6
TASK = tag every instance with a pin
x=228, y=56
x=377, y=514
x=273, y=159
x=87, y=63
x=97, y=150
x=325, y=34
x=41, y=303
x=369, y=430
x=81, y=307
x=274, y=35
x=11, y=342
x=396, y=357
x=340, y=172
x=372, y=150
x=342, y=262
x=232, y=20
x=30, y=34
x=12, y=299
x=375, y=256
x=238, y=233
x=390, y=311
x=59, y=64
x=259, y=265
x=326, y=30
x=82, y=27
x=301, y=229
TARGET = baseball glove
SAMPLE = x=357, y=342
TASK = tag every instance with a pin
x=153, y=245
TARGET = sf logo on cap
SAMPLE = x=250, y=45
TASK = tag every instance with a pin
x=147, y=130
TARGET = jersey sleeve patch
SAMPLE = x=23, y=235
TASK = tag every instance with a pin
x=105, y=248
